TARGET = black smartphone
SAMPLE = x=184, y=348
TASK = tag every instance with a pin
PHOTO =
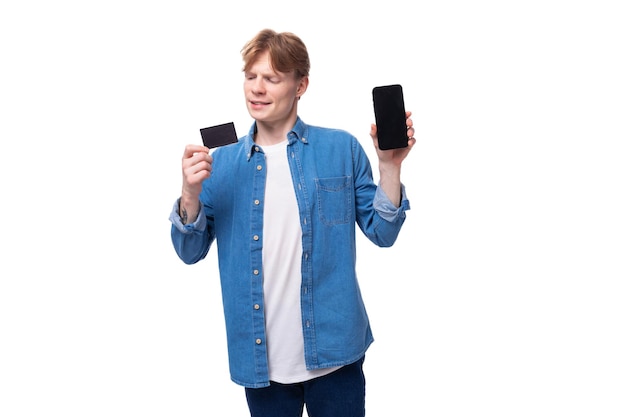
x=390, y=116
x=218, y=135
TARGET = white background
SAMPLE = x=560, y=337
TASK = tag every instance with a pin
x=504, y=294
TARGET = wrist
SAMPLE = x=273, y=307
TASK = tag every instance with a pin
x=188, y=208
x=389, y=170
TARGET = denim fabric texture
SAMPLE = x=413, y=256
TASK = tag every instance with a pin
x=335, y=191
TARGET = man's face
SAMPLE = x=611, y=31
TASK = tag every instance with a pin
x=271, y=96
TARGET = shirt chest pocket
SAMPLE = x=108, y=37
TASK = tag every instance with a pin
x=334, y=200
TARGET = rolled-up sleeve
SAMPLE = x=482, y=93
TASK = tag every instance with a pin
x=386, y=209
x=199, y=224
x=191, y=241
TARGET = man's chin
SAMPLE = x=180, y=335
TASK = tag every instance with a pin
x=257, y=115
x=255, y=112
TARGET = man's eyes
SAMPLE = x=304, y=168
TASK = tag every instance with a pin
x=273, y=80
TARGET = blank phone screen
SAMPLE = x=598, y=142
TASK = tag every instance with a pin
x=390, y=116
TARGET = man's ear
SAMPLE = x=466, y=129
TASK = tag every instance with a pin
x=303, y=84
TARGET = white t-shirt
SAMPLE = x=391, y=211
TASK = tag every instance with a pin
x=282, y=256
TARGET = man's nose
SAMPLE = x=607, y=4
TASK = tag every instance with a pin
x=257, y=86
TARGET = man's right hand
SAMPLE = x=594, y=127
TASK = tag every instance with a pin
x=197, y=165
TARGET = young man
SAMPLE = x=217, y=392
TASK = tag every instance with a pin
x=282, y=205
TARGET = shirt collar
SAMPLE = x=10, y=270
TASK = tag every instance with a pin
x=297, y=134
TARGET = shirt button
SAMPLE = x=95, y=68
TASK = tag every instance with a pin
x=259, y=167
x=255, y=237
x=258, y=341
x=256, y=306
x=255, y=272
x=256, y=148
x=257, y=202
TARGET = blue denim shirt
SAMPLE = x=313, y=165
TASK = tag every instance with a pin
x=334, y=188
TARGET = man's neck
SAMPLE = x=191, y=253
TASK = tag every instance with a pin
x=268, y=133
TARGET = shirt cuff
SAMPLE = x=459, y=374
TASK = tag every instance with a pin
x=198, y=225
x=386, y=209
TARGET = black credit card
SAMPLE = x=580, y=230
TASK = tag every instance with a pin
x=218, y=135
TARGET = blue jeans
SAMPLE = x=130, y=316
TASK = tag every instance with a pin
x=338, y=394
